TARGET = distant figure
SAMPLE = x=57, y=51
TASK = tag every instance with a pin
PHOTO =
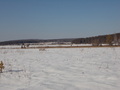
x=25, y=45
x=1, y=66
x=22, y=46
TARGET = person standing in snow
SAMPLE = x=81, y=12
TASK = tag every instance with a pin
x=1, y=66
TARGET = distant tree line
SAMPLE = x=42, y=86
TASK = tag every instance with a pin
x=18, y=42
x=22, y=42
x=111, y=39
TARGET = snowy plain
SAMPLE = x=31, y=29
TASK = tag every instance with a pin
x=61, y=69
x=41, y=45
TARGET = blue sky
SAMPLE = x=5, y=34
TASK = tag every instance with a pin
x=50, y=19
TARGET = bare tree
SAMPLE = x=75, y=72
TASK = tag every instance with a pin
x=115, y=41
x=109, y=40
x=95, y=42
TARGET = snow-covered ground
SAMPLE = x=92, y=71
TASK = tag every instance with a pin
x=54, y=45
x=44, y=45
x=61, y=69
x=10, y=46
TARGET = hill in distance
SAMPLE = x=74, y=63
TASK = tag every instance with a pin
x=87, y=40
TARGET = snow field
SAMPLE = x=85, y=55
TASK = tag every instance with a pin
x=61, y=69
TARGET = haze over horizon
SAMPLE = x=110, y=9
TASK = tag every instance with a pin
x=53, y=19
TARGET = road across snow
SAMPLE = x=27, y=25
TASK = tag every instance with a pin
x=61, y=69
